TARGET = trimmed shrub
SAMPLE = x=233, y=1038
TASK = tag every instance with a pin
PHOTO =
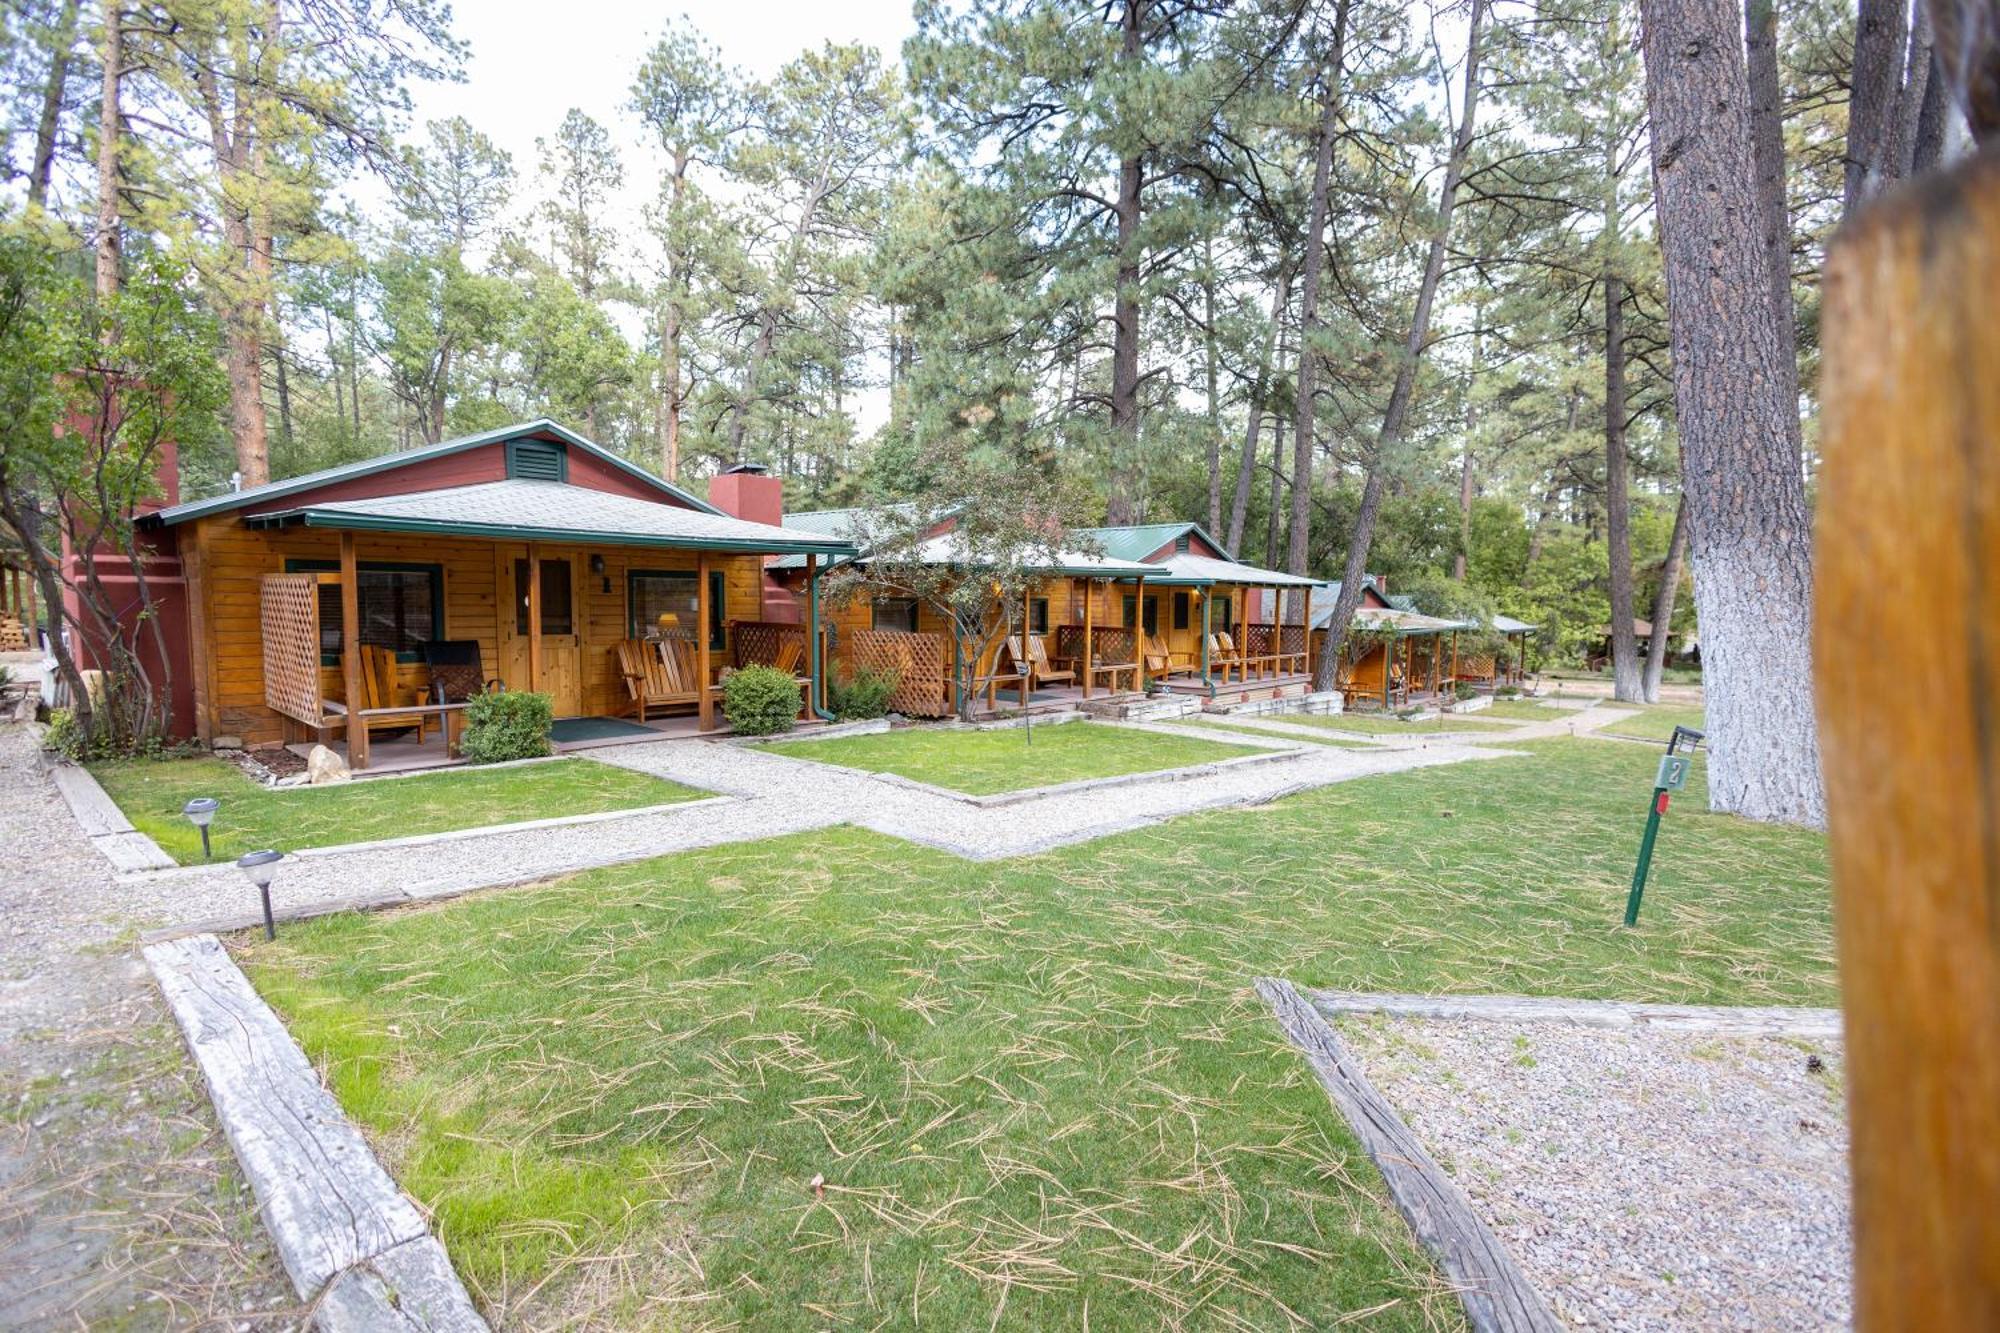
x=760, y=701
x=1464, y=691
x=863, y=695
x=513, y=724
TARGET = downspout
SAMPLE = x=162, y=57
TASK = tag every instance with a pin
x=818, y=687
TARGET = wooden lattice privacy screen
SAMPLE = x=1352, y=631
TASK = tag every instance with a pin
x=759, y=643
x=290, y=616
x=1116, y=646
x=920, y=662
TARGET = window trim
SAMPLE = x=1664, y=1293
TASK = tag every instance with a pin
x=1038, y=615
x=908, y=627
x=307, y=565
x=718, y=635
x=1182, y=610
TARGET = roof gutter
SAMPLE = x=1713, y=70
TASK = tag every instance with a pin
x=507, y=532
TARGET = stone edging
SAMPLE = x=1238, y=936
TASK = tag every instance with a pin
x=1725, y=1020
x=351, y=1242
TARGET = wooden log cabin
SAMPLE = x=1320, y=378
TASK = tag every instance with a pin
x=324, y=606
x=1230, y=632
x=1080, y=645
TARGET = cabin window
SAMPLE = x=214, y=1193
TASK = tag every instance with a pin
x=1152, y=614
x=1181, y=600
x=651, y=594
x=1038, y=615
x=1223, y=615
x=401, y=606
x=558, y=614
x=897, y=613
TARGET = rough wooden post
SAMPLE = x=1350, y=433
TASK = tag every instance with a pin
x=350, y=654
x=815, y=648
x=1139, y=632
x=1089, y=593
x=1909, y=557
x=534, y=616
x=705, y=708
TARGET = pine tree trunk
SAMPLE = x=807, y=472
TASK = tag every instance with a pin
x=42, y=169
x=1276, y=508
x=1748, y=527
x=1246, y=464
x=1625, y=671
x=1122, y=505
x=1663, y=603
x=1396, y=416
x=1309, y=321
x=1767, y=158
x=1465, y=487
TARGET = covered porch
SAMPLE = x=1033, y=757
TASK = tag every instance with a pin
x=1230, y=632
x=386, y=616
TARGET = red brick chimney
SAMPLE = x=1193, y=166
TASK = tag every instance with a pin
x=748, y=491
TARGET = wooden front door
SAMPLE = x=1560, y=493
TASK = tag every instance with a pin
x=562, y=636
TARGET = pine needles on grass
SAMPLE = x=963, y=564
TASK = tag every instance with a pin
x=834, y=1078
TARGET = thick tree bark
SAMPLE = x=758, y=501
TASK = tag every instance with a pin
x=1253, y=422
x=110, y=130
x=1742, y=478
x=1465, y=482
x=1875, y=89
x=1123, y=501
x=47, y=128
x=1214, y=439
x=1663, y=602
x=1396, y=416
x=1767, y=160
x=1274, y=512
x=1309, y=321
x=1625, y=671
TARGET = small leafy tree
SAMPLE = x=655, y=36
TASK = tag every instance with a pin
x=971, y=546
x=93, y=388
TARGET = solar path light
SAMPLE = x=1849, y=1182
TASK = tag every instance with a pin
x=262, y=868
x=200, y=812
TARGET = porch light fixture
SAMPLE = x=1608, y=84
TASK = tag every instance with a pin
x=200, y=812
x=262, y=868
x=597, y=564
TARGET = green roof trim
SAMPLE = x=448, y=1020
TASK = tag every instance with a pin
x=275, y=490
x=319, y=518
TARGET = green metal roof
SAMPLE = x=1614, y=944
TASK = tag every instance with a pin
x=840, y=523
x=276, y=490
x=551, y=511
x=1141, y=540
x=1185, y=568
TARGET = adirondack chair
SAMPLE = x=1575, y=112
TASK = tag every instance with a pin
x=654, y=678
x=1223, y=657
x=1163, y=661
x=378, y=687
x=1041, y=667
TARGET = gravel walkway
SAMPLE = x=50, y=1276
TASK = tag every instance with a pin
x=775, y=794
x=119, y=1200
x=1645, y=1180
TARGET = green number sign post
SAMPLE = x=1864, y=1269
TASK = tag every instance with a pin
x=1672, y=776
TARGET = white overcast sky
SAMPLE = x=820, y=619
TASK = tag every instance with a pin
x=528, y=64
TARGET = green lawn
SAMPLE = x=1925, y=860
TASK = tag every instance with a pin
x=252, y=816
x=1035, y=1093
x=1525, y=710
x=1010, y=758
x=1388, y=724
x=1656, y=723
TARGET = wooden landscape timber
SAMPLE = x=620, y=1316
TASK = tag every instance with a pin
x=1908, y=600
x=1495, y=1292
x=349, y=1239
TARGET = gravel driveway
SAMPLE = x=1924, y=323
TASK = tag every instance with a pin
x=120, y=1204
x=1645, y=1179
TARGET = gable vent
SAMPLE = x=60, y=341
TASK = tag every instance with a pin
x=1182, y=543
x=537, y=460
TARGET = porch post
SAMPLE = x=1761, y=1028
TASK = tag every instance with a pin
x=1454, y=661
x=1139, y=631
x=350, y=655
x=1089, y=595
x=1207, y=611
x=534, y=618
x=705, y=707
x=815, y=687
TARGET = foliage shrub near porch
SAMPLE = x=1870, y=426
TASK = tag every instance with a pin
x=983, y=762
x=760, y=701
x=1027, y=1085
x=254, y=816
x=512, y=724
